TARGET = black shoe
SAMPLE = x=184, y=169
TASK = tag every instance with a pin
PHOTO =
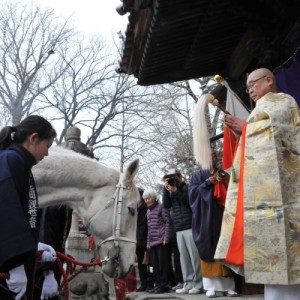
x=152, y=291
x=161, y=290
x=149, y=288
x=141, y=289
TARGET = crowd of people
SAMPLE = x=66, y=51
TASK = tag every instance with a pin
x=195, y=215
x=236, y=235
x=209, y=238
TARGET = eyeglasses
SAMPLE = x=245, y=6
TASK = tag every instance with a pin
x=252, y=83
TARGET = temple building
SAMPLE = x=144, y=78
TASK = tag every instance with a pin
x=168, y=41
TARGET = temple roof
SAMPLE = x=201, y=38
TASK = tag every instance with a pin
x=176, y=40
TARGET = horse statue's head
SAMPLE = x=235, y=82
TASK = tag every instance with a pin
x=115, y=225
x=105, y=198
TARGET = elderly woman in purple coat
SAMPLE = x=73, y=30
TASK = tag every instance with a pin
x=159, y=235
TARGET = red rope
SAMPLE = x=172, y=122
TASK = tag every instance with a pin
x=70, y=273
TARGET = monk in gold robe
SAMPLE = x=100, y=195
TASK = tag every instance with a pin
x=261, y=223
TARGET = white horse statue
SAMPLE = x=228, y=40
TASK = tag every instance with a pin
x=104, y=198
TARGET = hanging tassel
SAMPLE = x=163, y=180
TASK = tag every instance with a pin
x=201, y=144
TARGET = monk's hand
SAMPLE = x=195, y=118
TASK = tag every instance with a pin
x=49, y=254
x=219, y=178
x=17, y=281
x=234, y=123
x=212, y=179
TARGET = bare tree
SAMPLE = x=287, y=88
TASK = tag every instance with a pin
x=158, y=125
x=120, y=114
x=174, y=123
x=179, y=115
x=75, y=98
x=91, y=95
x=30, y=37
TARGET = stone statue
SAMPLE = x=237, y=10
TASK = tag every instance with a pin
x=74, y=143
x=90, y=284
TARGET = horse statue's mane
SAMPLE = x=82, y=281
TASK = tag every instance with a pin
x=67, y=163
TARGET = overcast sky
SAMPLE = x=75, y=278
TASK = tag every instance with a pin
x=90, y=16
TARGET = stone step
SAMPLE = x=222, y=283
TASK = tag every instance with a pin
x=174, y=296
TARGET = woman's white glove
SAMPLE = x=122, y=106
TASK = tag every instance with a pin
x=17, y=281
x=49, y=254
x=50, y=286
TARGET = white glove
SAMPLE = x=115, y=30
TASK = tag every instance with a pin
x=17, y=281
x=50, y=286
x=49, y=254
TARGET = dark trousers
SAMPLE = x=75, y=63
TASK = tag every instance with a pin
x=177, y=266
x=146, y=277
x=161, y=259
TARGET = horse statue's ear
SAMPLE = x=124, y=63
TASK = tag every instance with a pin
x=131, y=171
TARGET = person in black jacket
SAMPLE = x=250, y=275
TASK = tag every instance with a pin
x=55, y=226
x=175, y=196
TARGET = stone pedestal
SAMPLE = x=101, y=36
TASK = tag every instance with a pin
x=77, y=244
x=88, y=286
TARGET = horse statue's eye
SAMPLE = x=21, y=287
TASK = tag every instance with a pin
x=131, y=210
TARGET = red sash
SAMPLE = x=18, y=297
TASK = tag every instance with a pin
x=235, y=254
x=220, y=192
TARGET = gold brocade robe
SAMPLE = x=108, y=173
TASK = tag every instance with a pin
x=271, y=194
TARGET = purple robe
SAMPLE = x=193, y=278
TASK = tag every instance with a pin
x=207, y=214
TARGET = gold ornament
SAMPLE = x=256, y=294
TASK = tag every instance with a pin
x=218, y=78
